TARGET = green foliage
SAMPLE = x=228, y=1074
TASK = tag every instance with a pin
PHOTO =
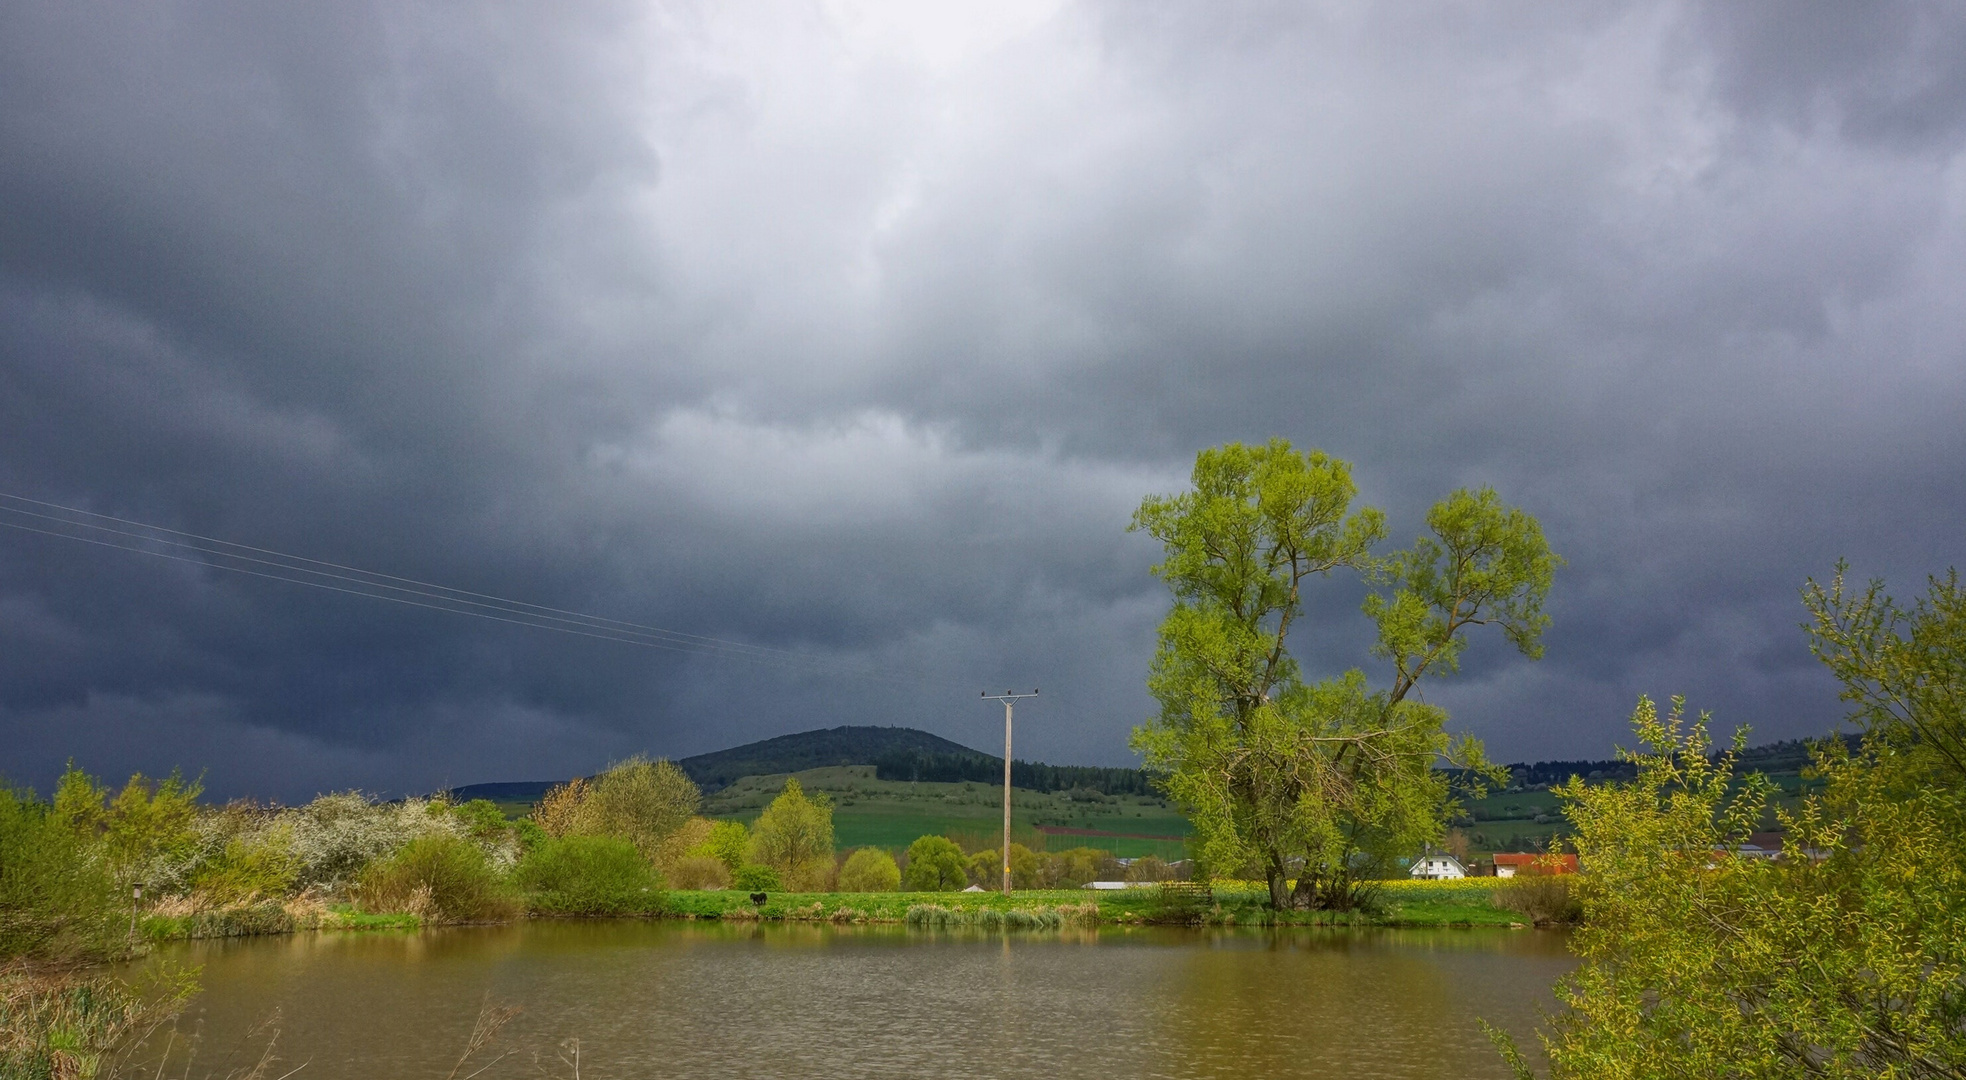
x=699, y=872
x=245, y=869
x=935, y=864
x=727, y=843
x=529, y=834
x=639, y=801
x=937, y=917
x=441, y=877
x=57, y=900
x=1903, y=668
x=1543, y=899
x=238, y=920
x=1844, y=959
x=870, y=870
x=68, y=1023
x=79, y=801
x=755, y=878
x=794, y=836
x=482, y=819
x=1074, y=867
x=1332, y=777
x=144, y=828
x=1026, y=868
x=1149, y=868
x=590, y=875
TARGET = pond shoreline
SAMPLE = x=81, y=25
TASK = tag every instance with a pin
x=1402, y=904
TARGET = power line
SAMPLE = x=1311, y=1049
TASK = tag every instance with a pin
x=499, y=609
x=353, y=569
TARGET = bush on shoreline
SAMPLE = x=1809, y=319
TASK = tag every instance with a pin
x=1544, y=899
x=870, y=870
x=57, y=900
x=442, y=878
x=589, y=875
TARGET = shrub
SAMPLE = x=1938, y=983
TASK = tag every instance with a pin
x=529, y=834
x=682, y=843
x=57, y=902
x=590, y=875
x=1026, y=868
x=727, y=843
x=336, y=836
x=442, y=877
x=149, y=824
x=641, y=801
x=1070, y=869
x=558, y=811
x=870, y=870
x=481, y=819
x=794, y=836
x=1541, y=898
x=1149, y=868
x=247, y=869
x=755, y=878
x=935, y=864
x=699, y=872
x=240, y=920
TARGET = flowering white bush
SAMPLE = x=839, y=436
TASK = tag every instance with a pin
x=336, y=835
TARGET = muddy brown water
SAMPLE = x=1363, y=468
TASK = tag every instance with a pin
x=681, y=999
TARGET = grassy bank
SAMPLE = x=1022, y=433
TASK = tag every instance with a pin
x=254, y=920
x=1467, y=903
x=1399, y=903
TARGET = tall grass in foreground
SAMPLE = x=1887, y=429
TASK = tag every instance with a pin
x=57, y=1024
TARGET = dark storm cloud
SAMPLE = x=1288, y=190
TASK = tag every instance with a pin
x=859, y=333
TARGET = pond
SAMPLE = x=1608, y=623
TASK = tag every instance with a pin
x=659, y=999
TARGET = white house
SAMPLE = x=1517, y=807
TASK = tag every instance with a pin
x=1437, y=866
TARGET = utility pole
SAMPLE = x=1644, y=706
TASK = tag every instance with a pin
x=1007, y=698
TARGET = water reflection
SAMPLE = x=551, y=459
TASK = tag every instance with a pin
x=665, y=999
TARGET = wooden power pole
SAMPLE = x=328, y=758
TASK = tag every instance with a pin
x=1007, y=698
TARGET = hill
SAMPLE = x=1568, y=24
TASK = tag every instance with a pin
x=896, y=753
x=817, y=750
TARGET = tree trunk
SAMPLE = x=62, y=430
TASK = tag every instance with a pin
x=1279, y=885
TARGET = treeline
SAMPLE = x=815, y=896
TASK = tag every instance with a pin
x=1785, y=756
x=1030, y=775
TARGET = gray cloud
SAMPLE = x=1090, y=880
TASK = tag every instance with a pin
x=859, y=333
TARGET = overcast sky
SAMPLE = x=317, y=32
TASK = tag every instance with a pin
x=859, y=330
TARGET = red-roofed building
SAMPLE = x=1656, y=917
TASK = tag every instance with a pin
x=1532, y=863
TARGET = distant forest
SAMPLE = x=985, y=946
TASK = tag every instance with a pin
x=1031, y=775
x=1786, y=756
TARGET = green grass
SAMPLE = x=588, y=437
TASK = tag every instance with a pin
x=1401, y=904
x=868, y=812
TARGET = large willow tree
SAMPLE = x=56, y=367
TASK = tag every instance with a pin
x=1330, y=781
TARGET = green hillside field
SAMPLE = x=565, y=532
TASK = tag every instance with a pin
x=870, y=812
x=892, y=813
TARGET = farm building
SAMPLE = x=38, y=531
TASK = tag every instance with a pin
x=1507, y=865
x=1438, y=866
